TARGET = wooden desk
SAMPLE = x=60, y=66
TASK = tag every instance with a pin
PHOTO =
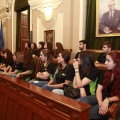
x=20, y=100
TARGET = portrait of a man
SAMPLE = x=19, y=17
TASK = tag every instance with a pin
x=109, y=21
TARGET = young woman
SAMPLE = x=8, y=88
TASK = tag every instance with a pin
x=47, y=69
x=59, y=48
x=28, y=65
x=108, y=90
x=64, y=73
x=36, y=53
x=27, y=46
x=86, y=75
x=49, y=46
x=8, y=60
x=17, y=66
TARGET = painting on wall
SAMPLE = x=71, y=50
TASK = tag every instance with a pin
x=49, y=36
x=107, y=18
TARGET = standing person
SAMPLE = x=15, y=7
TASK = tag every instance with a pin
x=64, y=73
x=111, y=19
x=82, y=47
x=59, y=48
x=107, y=47
x=108, y=89
x=47, y=69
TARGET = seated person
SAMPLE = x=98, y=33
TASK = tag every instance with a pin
x=2, y=59
x=49, y=46
x=17, y=66
x=107, y=47
x=64, y=73
x=82, y=47
x=86, y=75
x=108, y=89
x=59, y=48
x=8, y=60
x=36, y=53
x=47, y=69
x=28, y=65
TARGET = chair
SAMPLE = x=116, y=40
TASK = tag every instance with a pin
x=114, y=111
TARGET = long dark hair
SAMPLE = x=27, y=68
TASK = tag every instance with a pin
x=116, y=75
x=66, y=57
x=42, y=44
x=47, y=53
x=87, y=63
x=59, y=49
x=9, y=58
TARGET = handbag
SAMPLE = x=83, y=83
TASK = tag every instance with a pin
x=71, y=92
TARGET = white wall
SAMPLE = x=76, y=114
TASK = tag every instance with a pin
x=82, y=19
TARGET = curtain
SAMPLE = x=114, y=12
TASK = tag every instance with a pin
x=93, y=41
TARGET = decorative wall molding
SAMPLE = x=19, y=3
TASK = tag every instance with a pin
x=2, y=4
x=40, y=5
x=4, y=16
x=5, y=9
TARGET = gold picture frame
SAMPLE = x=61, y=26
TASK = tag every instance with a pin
x=49, y=36
x=103, y=21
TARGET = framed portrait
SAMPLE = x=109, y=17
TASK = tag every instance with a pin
x=107, y=18
x=49, y=36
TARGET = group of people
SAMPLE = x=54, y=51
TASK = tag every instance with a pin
x=99, y=88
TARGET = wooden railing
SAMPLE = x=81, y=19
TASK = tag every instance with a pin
x=20, y=100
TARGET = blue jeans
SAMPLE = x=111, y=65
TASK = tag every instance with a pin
x=13, y=75
x=48, y=88
x=39, y=83
x=91, y=100
x=94, y=113
x=94, y=110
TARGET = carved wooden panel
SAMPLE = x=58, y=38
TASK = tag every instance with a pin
x=23, y=101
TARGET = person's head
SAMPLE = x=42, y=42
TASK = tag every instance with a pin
x=63, y=57
x=8, y=55
x=82, y=45
x=27, y=45
x=41, y=45
x=59, y=46
x=17, y=56
x=33, y=46
x=45, y=55
x=111, y=5
x=107, y=47
x=113, y=72
x=48, y=45
x=85, y=61
x=112, y=60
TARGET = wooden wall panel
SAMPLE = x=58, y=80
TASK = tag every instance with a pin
x=23, y=101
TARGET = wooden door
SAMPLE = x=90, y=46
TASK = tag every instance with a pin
x=24, y=37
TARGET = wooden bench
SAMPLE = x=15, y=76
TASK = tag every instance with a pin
x=20, y=100
x=96, y=53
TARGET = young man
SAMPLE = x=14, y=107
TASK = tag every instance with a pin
x=107, y=47
x=82, y=47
